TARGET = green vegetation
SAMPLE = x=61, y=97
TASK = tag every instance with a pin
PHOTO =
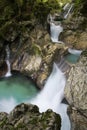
x=81, y=5
x=14, y=11
x=36, y=49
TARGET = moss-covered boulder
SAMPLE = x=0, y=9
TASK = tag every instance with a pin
x=27, y=117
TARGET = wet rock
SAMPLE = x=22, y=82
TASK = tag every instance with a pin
x=27, y=117
x=3, y=69
x=76, y=93
x=78, y=119
x=75, y=31
x=34, y=54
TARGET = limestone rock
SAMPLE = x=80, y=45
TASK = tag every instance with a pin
x=75, y=31
x=75, y=90
x=34, y=54
x=76, y=93
x=78, y=119
x=27, y=117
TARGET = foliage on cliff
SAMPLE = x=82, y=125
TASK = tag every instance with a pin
x=81, y=5
x=14, y=11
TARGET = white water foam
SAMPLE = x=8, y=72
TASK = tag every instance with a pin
x=8, y=62
x=51, y=96
x=74, y=51
x=55, y=31
x=68, y=12
x=68, y=7
x=7, y=105
x=8, y=74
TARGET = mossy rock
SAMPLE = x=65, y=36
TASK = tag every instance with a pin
x=27, y=117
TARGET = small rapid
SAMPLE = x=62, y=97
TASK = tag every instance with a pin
x=55, y=31
x=51, y=96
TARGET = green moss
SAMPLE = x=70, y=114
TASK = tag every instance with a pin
x=35, y=49
x=17, y=11
x=42, y=9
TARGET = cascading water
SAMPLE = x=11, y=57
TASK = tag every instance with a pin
x=8, y=62
x=53, y=92
x=55, y=26
x=74, y=51
x=55, y=31
x=51, y=96
x=67, y=9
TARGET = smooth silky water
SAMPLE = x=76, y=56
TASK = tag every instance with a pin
x=51, y=96
x=15, y=90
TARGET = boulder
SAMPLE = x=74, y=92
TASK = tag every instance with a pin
x=3, y=69
x=27, y=117
x=76, y=93
x=78, y=119
x=34, y=54
x=75, y=28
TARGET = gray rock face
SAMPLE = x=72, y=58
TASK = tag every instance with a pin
x=27, y=117
x=34, y=54
x=76, y=90
x=75, y=31
x=76, y=94
x=78, y=119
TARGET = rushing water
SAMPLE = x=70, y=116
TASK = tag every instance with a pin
x=67, y=9
x=17, y=89
x=56, y=27
x=51, y=96
x=55, y=31
x=75, y=52
x=8, y=62
x=14, y=90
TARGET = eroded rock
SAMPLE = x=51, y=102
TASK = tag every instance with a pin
x=76, y=93
x=27, y=117
x=34, y=55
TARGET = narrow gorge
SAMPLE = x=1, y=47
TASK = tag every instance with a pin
x=43, y=59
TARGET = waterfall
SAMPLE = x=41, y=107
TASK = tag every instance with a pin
x=51, y=96
x=55, y=26
x=74, y=51
x=8, y=62
x=67, y=8
x=55, y=31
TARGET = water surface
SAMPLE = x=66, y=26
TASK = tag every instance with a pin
x=15, y=90
x=72, y=58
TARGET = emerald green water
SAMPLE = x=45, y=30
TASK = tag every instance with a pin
x=72, y=58
x=15, y=90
